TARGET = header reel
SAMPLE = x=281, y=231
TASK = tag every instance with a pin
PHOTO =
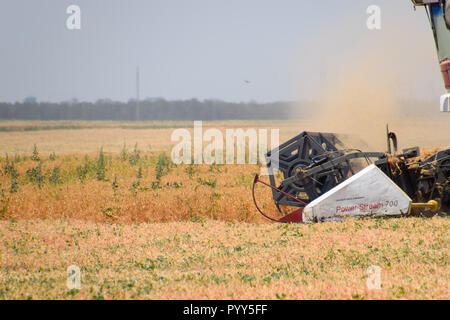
x=313, y=163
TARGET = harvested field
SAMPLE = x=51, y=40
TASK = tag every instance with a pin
x=225, y=260
x=69, y=137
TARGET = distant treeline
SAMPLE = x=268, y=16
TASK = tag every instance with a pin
x=158, y=109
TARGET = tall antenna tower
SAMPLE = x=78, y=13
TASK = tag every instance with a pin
x=137, y=95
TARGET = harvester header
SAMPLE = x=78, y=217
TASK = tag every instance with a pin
x=322, y=180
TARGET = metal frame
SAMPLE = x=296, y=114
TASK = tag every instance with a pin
x=311, y=164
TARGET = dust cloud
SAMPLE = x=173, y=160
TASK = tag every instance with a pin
x=361, y=104
x=378, y=83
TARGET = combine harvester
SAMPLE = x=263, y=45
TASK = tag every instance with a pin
x=323, y=180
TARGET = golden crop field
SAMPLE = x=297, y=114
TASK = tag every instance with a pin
x=213, y=259
x=106, y=197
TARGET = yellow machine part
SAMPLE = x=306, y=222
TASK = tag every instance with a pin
x=432, y=205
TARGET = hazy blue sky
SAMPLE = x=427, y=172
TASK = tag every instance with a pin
x=287, y=49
